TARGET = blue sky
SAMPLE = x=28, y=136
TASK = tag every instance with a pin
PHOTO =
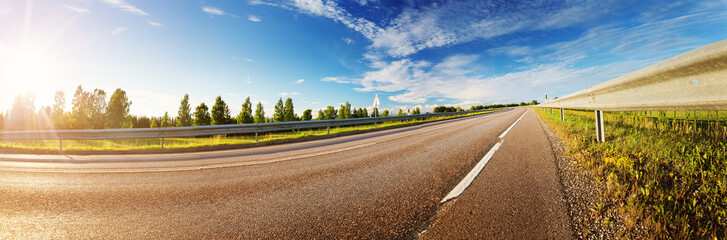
x=410, y=53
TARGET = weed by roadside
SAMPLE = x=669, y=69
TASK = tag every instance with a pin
x=670, y=174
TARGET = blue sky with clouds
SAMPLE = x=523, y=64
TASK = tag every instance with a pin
x=410, y=53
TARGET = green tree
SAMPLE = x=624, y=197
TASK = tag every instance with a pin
x=220, y=112
x=375, y=113
x=416, y=111
x=534, y=102
x=118, y=110
x=259, y=113
x=202, y=115
x=321, y=115
x=184, y=114
x=166, y=121
x=330, y=113
x=401, y=113
x=153, y=123
x=245, y=115
x=344, y=111
x=98, y=108
x=307, y=115
x=278, y=115
x=58, y=115
x=385, y=113
x=289, y=111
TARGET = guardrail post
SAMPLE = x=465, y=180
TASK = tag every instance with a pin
x=328, y=129
x=562, y=115
x=256, y=137
x=162, y=143
x=600, y=133
x=60, y=144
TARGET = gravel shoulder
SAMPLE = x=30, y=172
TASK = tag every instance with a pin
x=583, y=194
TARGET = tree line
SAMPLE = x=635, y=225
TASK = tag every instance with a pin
x=90, y=110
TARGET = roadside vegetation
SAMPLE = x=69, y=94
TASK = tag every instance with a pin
x=155, y=143
x=665, y=169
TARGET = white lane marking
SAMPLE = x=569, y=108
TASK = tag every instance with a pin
x=471, y=175
x=511, y=126
x=467, y=180
x=220, y=165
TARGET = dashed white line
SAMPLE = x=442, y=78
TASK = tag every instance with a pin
x=467, y=180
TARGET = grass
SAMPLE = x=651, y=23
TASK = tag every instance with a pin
x=155, y=143
x=665, y=169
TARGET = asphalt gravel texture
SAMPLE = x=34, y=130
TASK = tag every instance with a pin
x=382, y=185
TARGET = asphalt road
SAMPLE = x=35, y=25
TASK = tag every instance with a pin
x=385, y=184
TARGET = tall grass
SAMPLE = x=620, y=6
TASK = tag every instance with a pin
x=666, y=169
x=156, y=143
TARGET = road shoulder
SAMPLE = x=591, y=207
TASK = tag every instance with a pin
x=517, y=195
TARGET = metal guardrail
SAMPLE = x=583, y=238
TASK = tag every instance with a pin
x=198, y=131
x=693, y=81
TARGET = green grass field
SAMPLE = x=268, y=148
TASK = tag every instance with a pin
x=669, y=173
x=155, y=143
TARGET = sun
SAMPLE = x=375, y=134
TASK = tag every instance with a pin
x=27, y=68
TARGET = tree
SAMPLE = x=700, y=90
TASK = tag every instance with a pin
x=118, y=110
x=416, y=111
x=401, y=113
x=534, y=102
x=259, y=113
x=365, y=112
x=153, y=123
x=344, y=112
x=220, y=112
x=89, y=109
x=360, y=112
x=278, y=115
x=184, y=114
x=385, y=113
x=166, y=121
x=330, y=113
x=459, y=109
x=307, y=115
x=245, y=115
x=58, y=116
x=22, y=114
x=98, y=108
x=288, y=111
x=321, y=115
x=375, y=113
x=202, y=115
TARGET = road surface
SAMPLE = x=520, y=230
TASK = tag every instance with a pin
x=385, y=184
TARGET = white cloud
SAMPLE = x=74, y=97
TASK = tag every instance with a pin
x=248, y=81
x=248, y=60
x=118, y=31
x=213, y=11
x=76, y=9
x=124, y=6
x=156, y=24
x=254, y=18
x=431, y=25
x=335, y=79
x=300, y=80
x=455, y=78
x=284, y=94
x=348, y=40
